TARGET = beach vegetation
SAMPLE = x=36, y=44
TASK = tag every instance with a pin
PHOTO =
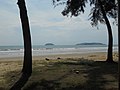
x=99, y=12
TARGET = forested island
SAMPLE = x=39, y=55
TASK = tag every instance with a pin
x=49, y=44
x=90, y=43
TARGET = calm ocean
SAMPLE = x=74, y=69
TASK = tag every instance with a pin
x=40, y=50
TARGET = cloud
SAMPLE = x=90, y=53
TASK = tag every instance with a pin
x=47, y=25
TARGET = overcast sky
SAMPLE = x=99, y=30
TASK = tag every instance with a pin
x=48, y=25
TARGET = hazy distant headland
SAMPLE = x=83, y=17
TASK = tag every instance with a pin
x=86, y=43
x=93, y=43
x=49, y=44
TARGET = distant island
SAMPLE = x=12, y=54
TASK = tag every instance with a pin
x=90, y=44
x=49, y=44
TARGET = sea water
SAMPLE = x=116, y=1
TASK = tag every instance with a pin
x=41, y=50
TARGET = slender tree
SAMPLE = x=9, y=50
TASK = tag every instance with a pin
x=110, y=36
x=119, y=40
x=99, y=13
x=27, y=64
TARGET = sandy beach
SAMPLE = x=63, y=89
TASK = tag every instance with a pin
x=98, y=56
x=9, y=67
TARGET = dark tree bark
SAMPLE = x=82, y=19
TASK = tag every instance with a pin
x=119, y=39
x=27, y=64
x=110, y=36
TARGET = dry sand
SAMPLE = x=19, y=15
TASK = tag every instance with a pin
x=98, y=56
x=15, y=63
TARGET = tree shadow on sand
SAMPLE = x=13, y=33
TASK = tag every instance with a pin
x=100, y=76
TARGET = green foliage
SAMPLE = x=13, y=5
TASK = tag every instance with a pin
x=76, y=7
x=96, y=15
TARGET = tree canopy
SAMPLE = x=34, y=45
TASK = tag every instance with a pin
x=76, y=7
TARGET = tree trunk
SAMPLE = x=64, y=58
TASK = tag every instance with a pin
x=110, y=37
x=119, y=40
x=27, y=64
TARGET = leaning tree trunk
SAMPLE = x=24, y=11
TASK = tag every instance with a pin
x=110, y=37
x=27, y=64
x=119, y=39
